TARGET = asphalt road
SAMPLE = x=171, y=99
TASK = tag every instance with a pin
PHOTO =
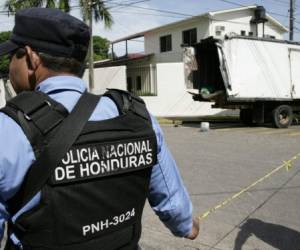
x=219, y=163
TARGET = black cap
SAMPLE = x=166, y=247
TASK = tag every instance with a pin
x=50, y=31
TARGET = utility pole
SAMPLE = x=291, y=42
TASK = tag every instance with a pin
x=91, y=50
x=292, y=10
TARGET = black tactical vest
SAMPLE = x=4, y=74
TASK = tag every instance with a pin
x=95, y=197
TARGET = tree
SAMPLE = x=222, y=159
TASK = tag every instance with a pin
x=97, y=7
x=4, y=61
x=101, y=48
x=90, y=9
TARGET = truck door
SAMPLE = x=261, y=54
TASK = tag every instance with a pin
x=294, y=56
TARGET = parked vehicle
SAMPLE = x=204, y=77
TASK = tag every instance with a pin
x=259, y=76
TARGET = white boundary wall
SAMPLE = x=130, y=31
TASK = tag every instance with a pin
x=110, y=77
x=172, y=98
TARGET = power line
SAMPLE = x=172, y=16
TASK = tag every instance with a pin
x=241, y=5
x=132, y=5
x=284, y=3
x=158, y=10
x=233, y=3
x=119, y=4
x=115, y=4
x=296, y=21
x=150, y=14
x=236, y=22
x=144, y=13
x=280, y=2
x=297, y=28
x=130, y=2
x=277, y=14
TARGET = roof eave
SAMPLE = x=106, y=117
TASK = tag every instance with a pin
x=213, y=13
x=280, y=26
x=141, y=34
x=209, y=15
x=136, y=35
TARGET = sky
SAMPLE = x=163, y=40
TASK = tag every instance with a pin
x=132, y=19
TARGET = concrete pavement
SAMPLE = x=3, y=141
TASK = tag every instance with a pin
x=219, y=163
x=215, y=165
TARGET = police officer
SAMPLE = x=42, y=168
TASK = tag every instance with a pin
x=77, y=168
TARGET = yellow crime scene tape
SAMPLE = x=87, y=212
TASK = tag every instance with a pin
x=286, y=164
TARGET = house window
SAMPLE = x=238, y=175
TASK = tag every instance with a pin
x=129, y=84
x=218, y=33
x=250, y=33
x=142, y=80
x=243, y=32
x=189, y=37
x=165, y=43
x=220, y=28
x=138, y=83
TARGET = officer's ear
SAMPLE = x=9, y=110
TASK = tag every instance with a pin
x=32, y=59
x=33, y=62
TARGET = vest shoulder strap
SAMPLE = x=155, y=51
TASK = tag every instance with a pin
x=40, y=170
x=37, y=114
x=127, y=101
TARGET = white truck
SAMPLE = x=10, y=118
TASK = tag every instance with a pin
x=259, y=76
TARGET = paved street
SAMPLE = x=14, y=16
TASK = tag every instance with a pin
x=219, y=163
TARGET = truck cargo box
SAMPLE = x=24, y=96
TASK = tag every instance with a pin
x=249, y=73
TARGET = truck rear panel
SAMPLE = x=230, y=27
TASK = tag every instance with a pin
x=244, y=69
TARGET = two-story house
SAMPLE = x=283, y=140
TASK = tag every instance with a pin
x=162, y=74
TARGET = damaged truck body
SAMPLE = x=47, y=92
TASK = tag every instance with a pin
x=258, y=76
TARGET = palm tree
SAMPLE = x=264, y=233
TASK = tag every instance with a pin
x=90, y=9
x=97, y=7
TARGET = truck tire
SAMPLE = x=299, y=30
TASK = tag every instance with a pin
x=282, y=116
x=246, y=116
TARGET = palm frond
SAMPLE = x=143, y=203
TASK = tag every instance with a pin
x=101, y=12
x=84, y=9
x=64, y=5
x=14, y=5
x=98, y=8
x=50, y=4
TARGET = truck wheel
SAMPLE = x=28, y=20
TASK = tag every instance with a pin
x=246, y=116
x=282, y=116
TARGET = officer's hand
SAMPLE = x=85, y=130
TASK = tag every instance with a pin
x=195, y=230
